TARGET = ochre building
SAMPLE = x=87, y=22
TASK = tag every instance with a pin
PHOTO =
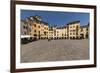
x=34, y=27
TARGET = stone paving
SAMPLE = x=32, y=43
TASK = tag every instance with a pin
x=55, y=50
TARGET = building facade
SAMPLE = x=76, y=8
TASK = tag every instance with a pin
x=44, y=30
x=84, y=32
x=73, y=30
x=51, y=33
x=24, y=28
x=38, y=29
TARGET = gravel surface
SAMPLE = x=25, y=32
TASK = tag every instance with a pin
x=55, y=50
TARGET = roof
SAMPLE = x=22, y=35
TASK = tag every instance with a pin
x=85, y=26
x=50, y=28
x=71, y=23
x=45, y=23
x=59, y=27
x=33, y=18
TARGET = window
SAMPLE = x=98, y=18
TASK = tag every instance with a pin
x=87, y=29
x=62, y=34
x=24, y=33
x=73, y=30
x=35, y=34
x=34, y=25
x=39, y=32
x=24, y=27
x=34, y=30
x=73, y=26
x=45, y=28
x=44, y=33
x=39, y=26
x=77, y=27
x=81, y=29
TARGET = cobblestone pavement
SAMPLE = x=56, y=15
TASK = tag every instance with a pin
x=55, y=50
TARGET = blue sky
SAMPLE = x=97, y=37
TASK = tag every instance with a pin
x=57, y=18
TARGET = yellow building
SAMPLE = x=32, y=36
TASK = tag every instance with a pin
x=44, y=30
x=38, y=29
x=33, y=27
x=61, y=33
x=73, y=30
x=54, y=33
x=64, y=32
x=51, y=33
x=84, y=32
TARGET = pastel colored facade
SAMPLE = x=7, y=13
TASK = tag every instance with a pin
x=33, y=29
x=58, y=33
x=51, y=33
x=73, y=30
x=44, y=30
x=84, y=31
x=24, y=28
x=38, y=29
x=62, y=33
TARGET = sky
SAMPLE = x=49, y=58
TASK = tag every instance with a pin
x=57, y=18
